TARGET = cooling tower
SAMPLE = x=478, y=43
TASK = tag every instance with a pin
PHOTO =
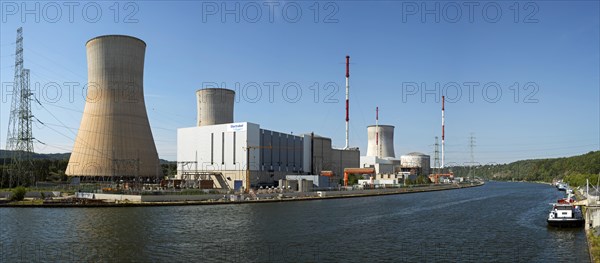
x=114, y=137
x=384, y=146
x=215, y=106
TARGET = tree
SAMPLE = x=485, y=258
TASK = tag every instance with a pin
x=421, y=179
x=539, y=170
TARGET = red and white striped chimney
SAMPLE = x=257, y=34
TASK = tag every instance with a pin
x=443, y=131
x=347, y=102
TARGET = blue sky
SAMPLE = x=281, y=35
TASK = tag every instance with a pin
x=544, y=60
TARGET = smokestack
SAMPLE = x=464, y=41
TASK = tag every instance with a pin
x=443, y=131
x=347, y=102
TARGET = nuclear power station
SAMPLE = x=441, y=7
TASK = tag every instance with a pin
x=220, y=159
x=381, y=156
x=243, y=155
x=114, y=137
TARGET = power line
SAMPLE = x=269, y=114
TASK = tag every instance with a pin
x=54, y=62
x=95, y=115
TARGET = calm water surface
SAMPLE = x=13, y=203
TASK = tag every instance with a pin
x=498, y=222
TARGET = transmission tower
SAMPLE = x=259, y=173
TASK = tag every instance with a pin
x=472, y=147
x=19, y=139
x=436, y=156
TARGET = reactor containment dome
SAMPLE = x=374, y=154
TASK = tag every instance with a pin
x=416, y=160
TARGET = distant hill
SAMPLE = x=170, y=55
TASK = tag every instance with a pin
x=162, y=161
x=56, y=156
x=584, y=166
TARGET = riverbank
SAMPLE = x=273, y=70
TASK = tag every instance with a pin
x=592, y=237
x=593, y=241
x=299, y=197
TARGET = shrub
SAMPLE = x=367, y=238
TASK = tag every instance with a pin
x=19, y=193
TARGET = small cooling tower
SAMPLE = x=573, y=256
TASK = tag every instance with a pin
x=114, y=137
x=384, y=145
x=215, y=106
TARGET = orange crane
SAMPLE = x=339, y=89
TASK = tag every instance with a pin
x=348, y=171
x=327, y=173
x=436, y=177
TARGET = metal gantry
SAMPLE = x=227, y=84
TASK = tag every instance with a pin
x=472, y=148
x=19, y=137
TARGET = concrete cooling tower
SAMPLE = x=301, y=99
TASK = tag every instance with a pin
x=215, y=106
x=114, y=137
x=384, y=146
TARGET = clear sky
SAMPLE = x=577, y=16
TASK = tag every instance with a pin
x=543, y=57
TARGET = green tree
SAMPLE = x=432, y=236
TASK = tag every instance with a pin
x=572, y=168
x=19, y=193
x=421, y=179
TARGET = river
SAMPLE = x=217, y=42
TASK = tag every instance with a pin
x=497, y=222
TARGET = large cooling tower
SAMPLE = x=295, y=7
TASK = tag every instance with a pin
x=385, y=146
x=114, y=137
x=215, y=106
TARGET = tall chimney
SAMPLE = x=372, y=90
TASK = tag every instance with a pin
x=443, y=131
x=347, y=102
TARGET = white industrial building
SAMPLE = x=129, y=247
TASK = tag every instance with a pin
x=231, y=152
x=381, y=165
x=223, y=148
